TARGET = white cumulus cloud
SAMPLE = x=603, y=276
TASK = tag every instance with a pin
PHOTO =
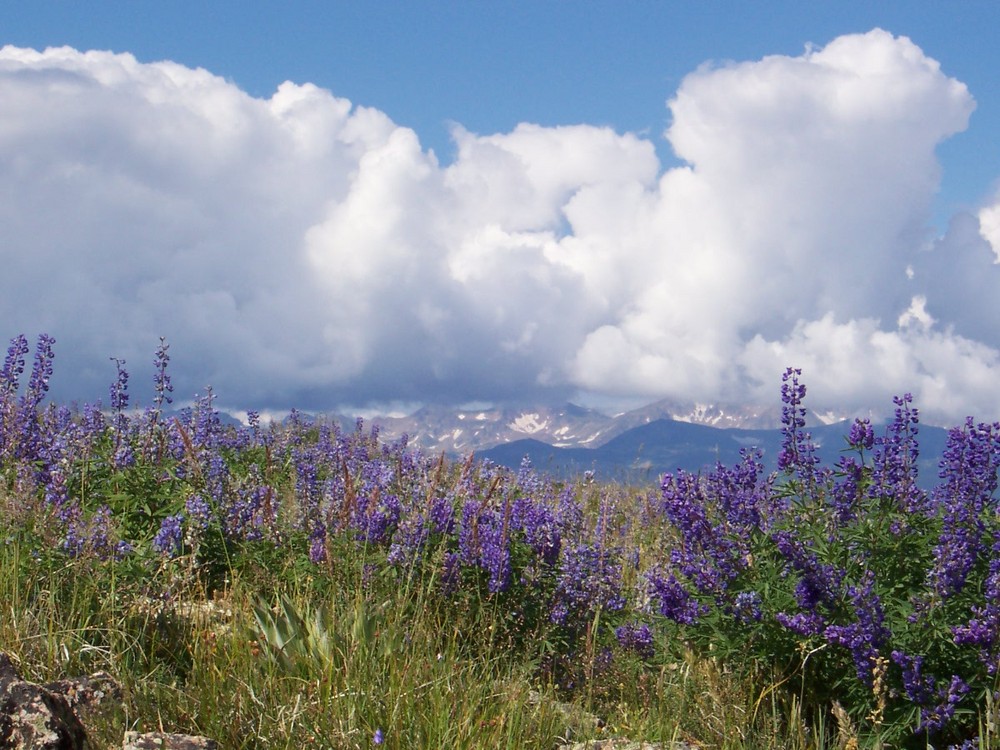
x=304, y=251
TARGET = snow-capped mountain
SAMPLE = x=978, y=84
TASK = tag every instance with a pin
x=637, y=445
x=723, y=416
x=462, y=431
x=438, y=429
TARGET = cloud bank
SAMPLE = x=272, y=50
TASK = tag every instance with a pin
x=304, y=251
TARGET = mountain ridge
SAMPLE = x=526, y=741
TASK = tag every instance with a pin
x=460, y=431
x=635, y=446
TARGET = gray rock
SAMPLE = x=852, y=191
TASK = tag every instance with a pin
x=43, y=717
x=166, y=741
x=622, y=743
x=88, y=691
x=33, y=717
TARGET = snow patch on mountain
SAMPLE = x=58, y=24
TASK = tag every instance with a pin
x=529, y=423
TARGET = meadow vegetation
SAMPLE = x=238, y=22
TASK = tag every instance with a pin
x=297, y=585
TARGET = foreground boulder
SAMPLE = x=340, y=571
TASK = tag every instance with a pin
x=33, y=717
x=166, y=741
x=87, y=692
x=620, y=743
x=44, y=717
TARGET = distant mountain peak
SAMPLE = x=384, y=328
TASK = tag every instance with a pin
x=437, y=428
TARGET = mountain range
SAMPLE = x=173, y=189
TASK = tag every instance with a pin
x=438, y=429
x=636, y=446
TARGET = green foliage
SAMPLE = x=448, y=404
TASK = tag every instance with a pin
x=307, y=587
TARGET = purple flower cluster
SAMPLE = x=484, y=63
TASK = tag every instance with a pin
x=169, y=538
x=636, y=637
x=717, y=517
x=483, y=542
x=867, y=634
x=969, y=481
x=673, y=600
x=10, y=380
x=161, y=380
x=982, y=630
x=589, y=579
x=894, y=471
x=21, y=428
x=798, y=453
x=747, y=607
x=850, y=565
x=937, y=702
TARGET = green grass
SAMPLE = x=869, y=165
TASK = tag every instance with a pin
x=291, y=655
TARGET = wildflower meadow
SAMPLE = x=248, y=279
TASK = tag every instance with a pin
x=297, y=584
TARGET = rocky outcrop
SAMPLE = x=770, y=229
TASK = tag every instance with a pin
x=621, y=743
x=88, y=691
x=32, y=717
x=47, y=717
x=166, y=741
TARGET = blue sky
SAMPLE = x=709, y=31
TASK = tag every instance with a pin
x=301, y=252
x=491, y=65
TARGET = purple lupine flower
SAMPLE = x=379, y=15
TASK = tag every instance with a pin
x=23, y=423
x=307, y=483
x=198, y=511
x=528, y=481
x=934, y=718
x=161, y=380
x=216, y=474
x=56, y=490
x=441, y=515
x=118, y=391
x=13, y=366
x=41, y=371
x=317, y=543
x=10, y=377
x=255, y=436
x=673, y=600
x=76, y=538
x=747, y=607
x=124, y=456
x=819, y=583
x=378, y=738
x=377, y=521
x=589, y=578
x=409, y=540
x=100, y=524
x=861, y=435
x=242, y=516
x=538, y=525
x=937, y=703
x=798, y=453
x=704, y=555
x=983, y=628
x=801, y=623
x=969, y=470
x=469, y=545
x=865, y=636
x=846, y=490
x=207, y=426
x=92, y=422
x=894, y=465
x=170, y=536
x=494, y=544
x=919, y=688
x=637, y=637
